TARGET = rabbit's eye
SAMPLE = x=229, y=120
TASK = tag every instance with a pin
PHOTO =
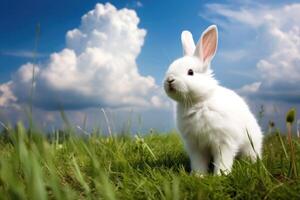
x=190, y=72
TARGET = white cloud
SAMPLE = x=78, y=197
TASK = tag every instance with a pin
x=271, y=37
x=139, y=4
x=6, y=96
x=233, y=55
x=23, y=54
x=251, y=88
x=97, y=67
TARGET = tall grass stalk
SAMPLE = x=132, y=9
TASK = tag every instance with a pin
x=107, y=122
x=290, y=118
x=36, y=42
x=298, y=128
x=3, y=125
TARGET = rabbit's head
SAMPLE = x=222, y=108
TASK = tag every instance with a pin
x=189, y=79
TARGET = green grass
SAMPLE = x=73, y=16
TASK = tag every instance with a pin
x=66, y=166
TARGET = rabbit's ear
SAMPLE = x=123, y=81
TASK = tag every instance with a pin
x=188, y=44
x=207, y=45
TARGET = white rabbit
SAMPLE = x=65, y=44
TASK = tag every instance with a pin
x=215, y=123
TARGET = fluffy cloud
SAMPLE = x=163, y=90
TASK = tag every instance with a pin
x=6, y=96
x=272, y=39
x=97, y=67
x=250, y=88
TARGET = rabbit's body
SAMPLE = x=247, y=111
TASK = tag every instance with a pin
x=215, y=123
x=219, y=125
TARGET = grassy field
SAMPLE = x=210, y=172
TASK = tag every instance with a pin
x=63, y=165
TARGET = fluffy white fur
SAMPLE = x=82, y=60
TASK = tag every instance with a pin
x=215, y=123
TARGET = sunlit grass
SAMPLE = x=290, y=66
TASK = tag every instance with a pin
x=64, y=165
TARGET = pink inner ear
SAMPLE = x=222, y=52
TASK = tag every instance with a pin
x=209, y=44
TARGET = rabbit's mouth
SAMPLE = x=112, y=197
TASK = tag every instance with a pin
x=170, y=84
x=171, y=88
x=174, y=89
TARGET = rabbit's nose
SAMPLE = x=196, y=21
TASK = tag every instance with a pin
x=170, y=79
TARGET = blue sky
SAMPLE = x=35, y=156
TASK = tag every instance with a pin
x=162, y=45
x=246, y=60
